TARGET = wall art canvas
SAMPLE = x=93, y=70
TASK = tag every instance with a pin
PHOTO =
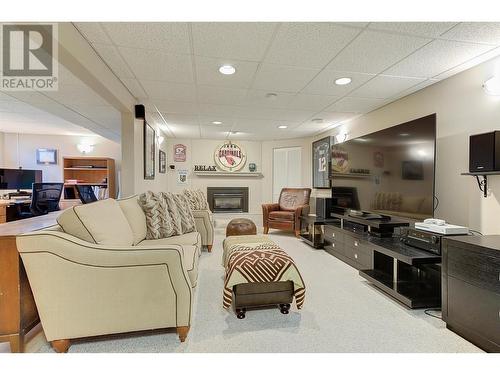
x=412, y=170
x=321, y=163
x=149, y=151
x=162, y=162
x=180, y=151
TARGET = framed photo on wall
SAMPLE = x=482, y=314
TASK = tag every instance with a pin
x=46, y=156
x=149, y=151
x=162, y=162
x=321, y=163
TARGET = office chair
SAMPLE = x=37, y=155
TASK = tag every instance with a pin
x=44, y=199
x=86, y=193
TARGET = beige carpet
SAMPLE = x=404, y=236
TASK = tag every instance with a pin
x=342, y=313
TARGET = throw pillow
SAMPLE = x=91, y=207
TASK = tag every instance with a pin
x=187, y=219
x=196, y=199
x=173, y=212
x=158, y=221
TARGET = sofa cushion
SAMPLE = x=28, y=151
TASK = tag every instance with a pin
x=411, y=204
x=158, y=220
x=135, y=217
x=193, y=238
x=282, y=215
x=187, y=219
x=102, y=222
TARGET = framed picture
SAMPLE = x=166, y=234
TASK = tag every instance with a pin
x=46, y=156
x=149, y=151
x=321, y=163
x=180, y=151
x=412, y=170
x=162, y=162
x=182, y=177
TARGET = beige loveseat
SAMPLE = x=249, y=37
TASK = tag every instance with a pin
x=105, y=277
x=397, y=204
x=205, y=226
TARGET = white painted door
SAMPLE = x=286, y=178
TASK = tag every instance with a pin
x=287, y=167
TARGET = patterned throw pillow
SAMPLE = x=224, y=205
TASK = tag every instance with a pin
x=196, y=199
x=187, y=218
x=174, y=213
x=158, y=221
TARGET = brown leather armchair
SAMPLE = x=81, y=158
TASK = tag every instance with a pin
x=286, y=213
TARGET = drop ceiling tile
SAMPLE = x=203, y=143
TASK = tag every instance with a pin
x=174, y=119
x=309, y=45
x=112, y=58
x=220, y=95
x=207, y=72
x=324, y=83
x=427, y=29
x=185, y=131
x=272, y=114
x=207, y=109
x=262, y=125
x=75, y=94
x=260, y=98
x=134, y=87
x=313, y=128
x=311, y=102
x=331, y=118
x=158, y=66
x=353, y=24
x=383, y=87
x=170, y=91
x=477, y=32
x=207, y=121
x=414, y=89
x=436, y=57
x=356, y=105
x=232, y=40
x=208, y=132
x=172, y=106
x=282, y=78
x=374, y=51
x=164, y=36
x=93, y=32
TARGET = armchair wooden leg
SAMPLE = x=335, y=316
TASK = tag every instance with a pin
x=183, y=332
x=61, y=346
x=209, y=248
x=266, y=230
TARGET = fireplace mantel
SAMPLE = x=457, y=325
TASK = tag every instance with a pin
x=228, y=174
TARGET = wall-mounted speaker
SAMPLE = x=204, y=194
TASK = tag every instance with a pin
x=140, y=111
x=484, y=152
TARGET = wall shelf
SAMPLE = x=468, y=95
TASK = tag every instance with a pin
x=483, y=184
x=351, y=175
x=228, y=174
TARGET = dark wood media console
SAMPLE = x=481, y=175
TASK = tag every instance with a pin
x=409, y=275
x=471, y=289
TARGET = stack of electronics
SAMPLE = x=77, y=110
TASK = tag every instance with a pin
x=428, y=235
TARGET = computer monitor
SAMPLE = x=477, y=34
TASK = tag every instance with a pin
x=17, y=179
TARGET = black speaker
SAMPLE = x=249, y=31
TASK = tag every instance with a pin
x=140, y=111
x=484, y=152
x=323, y=207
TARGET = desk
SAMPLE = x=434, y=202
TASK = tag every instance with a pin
x=18, y=313
x=4, y=203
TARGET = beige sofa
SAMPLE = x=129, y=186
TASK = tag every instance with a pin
x=205, y=226
x=96, y=274
x=397, y=204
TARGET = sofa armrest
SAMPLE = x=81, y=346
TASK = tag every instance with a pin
x=204, y=226
x=266, y=208
x=76, y=281
x=300, y=211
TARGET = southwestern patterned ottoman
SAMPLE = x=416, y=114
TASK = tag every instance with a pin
x=259, y=273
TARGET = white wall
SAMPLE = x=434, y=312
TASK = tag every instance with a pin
x=462, y=108
x=19, y=150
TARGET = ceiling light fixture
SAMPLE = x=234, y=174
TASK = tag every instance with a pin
x=343, y=81
x=227, y=69
x=282, y=127
x=85, y=148
x=492, y=86
x=404, y=134
x=217, y=122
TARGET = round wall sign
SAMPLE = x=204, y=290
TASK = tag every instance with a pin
x=230, y=157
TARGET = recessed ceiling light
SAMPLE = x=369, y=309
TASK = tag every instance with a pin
x=404, y=134
x=343, y=81
x=282, y=127
x=217, y=122
x=317, y=120
x=227, y=69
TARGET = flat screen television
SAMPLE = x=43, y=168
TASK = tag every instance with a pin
x=17, y=179
x=389, y=172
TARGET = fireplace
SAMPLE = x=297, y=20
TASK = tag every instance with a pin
x=228, y=199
